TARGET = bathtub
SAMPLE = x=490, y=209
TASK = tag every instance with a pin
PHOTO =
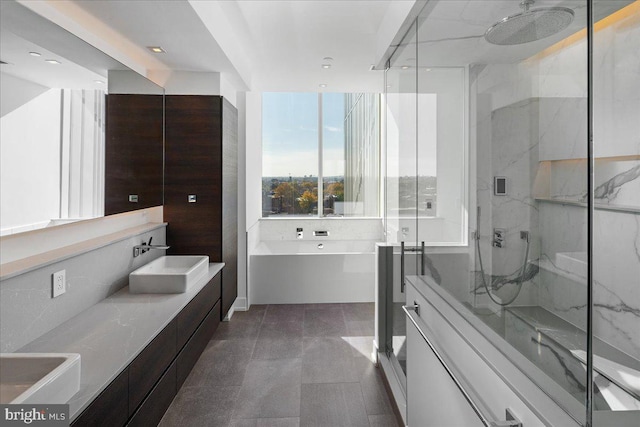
x=312, y=271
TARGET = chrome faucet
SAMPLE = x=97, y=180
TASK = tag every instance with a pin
x=144, y=247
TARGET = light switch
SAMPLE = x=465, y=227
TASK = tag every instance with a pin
x=192, y=198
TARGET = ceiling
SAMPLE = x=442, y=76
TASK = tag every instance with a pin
x=264, y=45
x=80, y=65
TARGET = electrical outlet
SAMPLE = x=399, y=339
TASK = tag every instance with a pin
x=59, y=283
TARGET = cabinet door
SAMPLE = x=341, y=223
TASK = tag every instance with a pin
x=110, y=408
x=192, y=315
x=191, y=352
x=433, y=399
x=156, y=404
x=150, y=364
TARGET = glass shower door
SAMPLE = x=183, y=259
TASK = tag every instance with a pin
x=400, y=187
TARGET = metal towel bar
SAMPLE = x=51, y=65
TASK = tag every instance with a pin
x=511, y=420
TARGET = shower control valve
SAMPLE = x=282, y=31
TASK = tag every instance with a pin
x=498, y=237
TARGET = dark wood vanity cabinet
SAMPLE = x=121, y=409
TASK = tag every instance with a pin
x=201, y=183
x=142, y=392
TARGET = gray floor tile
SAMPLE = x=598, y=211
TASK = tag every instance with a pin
x=222, y=363
x=201, y=406
x=271, y=389
x=243, y=324
x=334, y=405
x=285, y=313
x=376, y=399
x=383, y=421
x=359, y=328
x=278, y=422
x=359, y=311
x=278, y=348
x=281, y=329
x=266, y=422
x=248, y=422
x=328, y=360
x=326, y=306
x=324, y=322
x=361, y=346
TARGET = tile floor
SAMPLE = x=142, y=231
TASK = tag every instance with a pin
x=287, y=365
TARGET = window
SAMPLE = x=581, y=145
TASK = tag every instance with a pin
x=320, y=154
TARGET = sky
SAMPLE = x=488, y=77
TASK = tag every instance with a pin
x=290, y=134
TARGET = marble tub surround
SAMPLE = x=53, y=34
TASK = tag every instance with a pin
x=27, y=309
x=111, y=333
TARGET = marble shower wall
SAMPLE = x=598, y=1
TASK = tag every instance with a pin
x=542, y=102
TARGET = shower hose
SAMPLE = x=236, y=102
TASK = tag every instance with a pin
x=520, y=278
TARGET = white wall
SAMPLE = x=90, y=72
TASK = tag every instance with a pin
x=130, y=82
x=16, y=92
x=30, y=163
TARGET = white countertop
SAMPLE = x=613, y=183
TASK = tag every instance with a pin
x=110, y=334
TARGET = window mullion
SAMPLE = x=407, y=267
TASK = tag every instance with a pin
x=320, y=171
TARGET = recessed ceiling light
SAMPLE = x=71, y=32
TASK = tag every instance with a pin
x=388, y=85
x=327, y=59
x=52, y=61
x=34, y=54
x=405, y=67
x=156, y=49
x=100, y=82
x=322, y=85
x=427, y=69
x=326, y=66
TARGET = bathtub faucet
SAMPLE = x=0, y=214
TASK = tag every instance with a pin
x=144, y=247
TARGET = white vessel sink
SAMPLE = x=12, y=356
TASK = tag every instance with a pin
x=46, y=378
x=172, y=274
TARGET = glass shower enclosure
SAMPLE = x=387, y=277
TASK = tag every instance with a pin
x=512, y=183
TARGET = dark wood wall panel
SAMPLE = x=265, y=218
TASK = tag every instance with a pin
x=201, y=135
x=194, y=166
x=133, y=152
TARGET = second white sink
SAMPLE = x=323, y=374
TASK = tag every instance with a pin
x=39, y=377
x=172, y=274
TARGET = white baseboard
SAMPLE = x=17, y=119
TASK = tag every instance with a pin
x=240, y=304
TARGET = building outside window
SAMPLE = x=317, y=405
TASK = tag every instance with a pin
x=321, y=154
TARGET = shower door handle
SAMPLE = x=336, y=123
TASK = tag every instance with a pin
x=402, y=284
x=402, y=251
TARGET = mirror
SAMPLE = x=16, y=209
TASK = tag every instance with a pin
x=81, y=134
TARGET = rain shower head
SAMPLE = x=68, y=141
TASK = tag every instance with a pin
x=530, y=25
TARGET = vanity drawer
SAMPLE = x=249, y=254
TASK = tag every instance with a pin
x=146, y=369
x=155, y=405
x=191, y=352
x=189, y=318
x=109, y=409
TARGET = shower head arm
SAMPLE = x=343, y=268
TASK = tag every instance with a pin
x=526, y=4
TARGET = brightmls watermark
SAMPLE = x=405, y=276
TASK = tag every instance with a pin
x=34, y=415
